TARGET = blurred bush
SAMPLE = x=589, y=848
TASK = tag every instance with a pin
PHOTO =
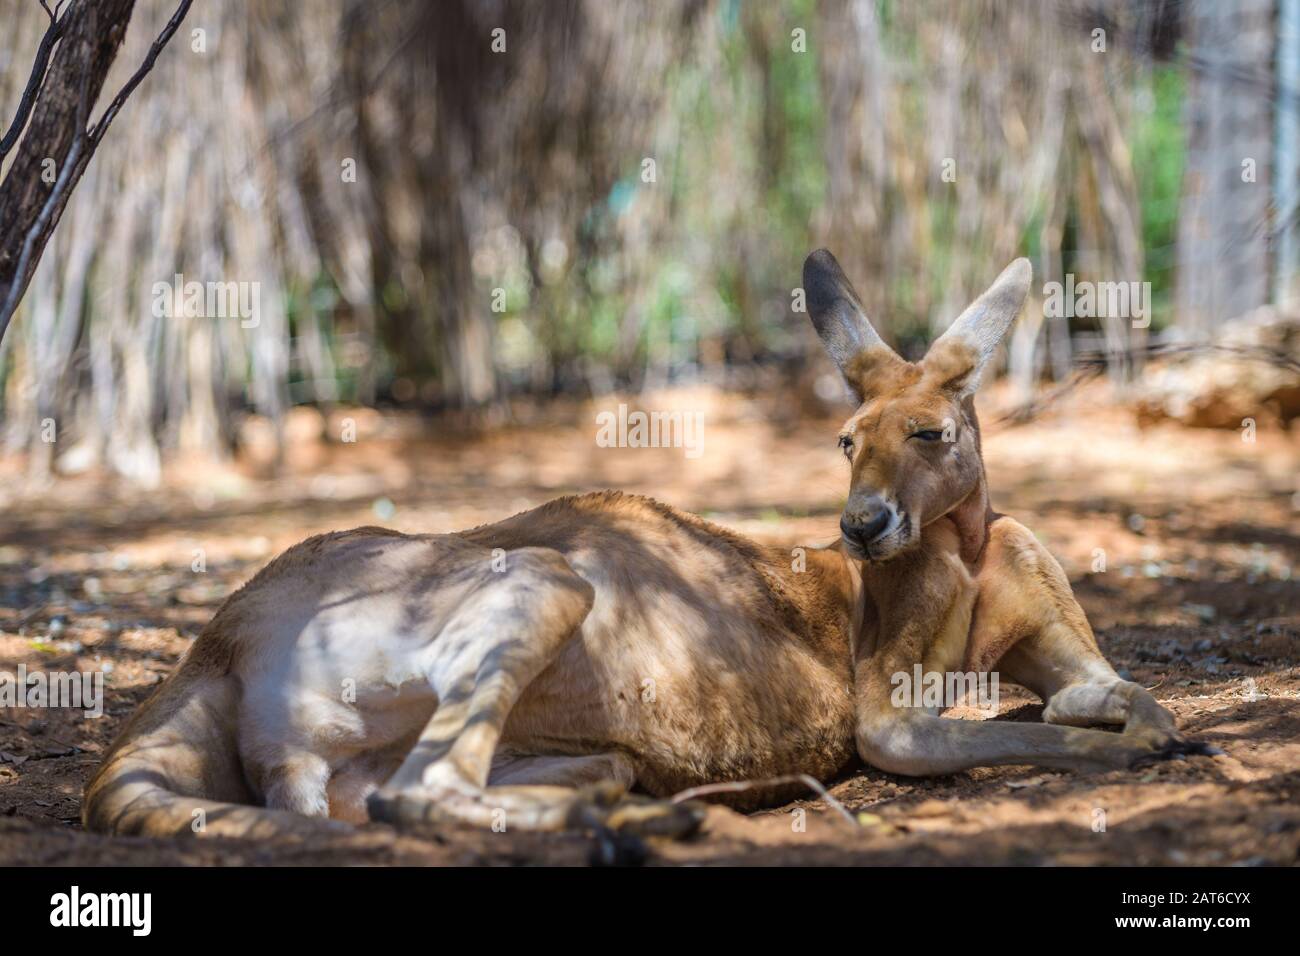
x=450, y=203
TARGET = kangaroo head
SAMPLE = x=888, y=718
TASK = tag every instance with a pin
x=913, y=443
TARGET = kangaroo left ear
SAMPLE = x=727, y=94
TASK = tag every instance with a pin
x=961, y=353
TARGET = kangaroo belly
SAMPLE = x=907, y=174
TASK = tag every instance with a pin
x=693, y=694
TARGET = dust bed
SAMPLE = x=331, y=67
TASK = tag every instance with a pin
x=1199, y=599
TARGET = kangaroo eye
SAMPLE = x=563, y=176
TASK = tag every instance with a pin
x=928, y=435
x=846, y=443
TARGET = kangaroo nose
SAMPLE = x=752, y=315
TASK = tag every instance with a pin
x=867, y=522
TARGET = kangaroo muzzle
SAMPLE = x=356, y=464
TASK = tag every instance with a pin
x=866, y=521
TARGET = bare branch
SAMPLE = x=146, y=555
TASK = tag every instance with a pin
x=1091, y=365
x=52, y=35
x=154, y=49
x=736, y=786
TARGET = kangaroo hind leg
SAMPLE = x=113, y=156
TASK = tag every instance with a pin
x=507, y=632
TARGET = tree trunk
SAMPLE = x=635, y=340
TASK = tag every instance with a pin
x=92, y=33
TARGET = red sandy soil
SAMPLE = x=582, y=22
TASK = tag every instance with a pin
x=1199, y=600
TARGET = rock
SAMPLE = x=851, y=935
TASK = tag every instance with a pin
x=1220, y=388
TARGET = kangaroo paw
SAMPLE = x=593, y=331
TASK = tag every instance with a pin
x=1177, y=748
x=606, y=807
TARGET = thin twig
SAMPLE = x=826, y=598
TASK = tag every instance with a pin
x=154, y=49
x=34, y=82
x=1091, y=364
x=736, y=786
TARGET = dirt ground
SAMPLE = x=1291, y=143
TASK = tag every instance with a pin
x=1198, y=598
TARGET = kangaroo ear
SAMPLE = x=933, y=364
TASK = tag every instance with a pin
x=961, y=353
x=840, y=321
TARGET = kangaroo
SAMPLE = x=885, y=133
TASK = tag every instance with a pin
x=577, y=664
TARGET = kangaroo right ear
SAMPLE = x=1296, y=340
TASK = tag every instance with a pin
x=840, y=321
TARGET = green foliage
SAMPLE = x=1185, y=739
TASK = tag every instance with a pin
x=1158, y=144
